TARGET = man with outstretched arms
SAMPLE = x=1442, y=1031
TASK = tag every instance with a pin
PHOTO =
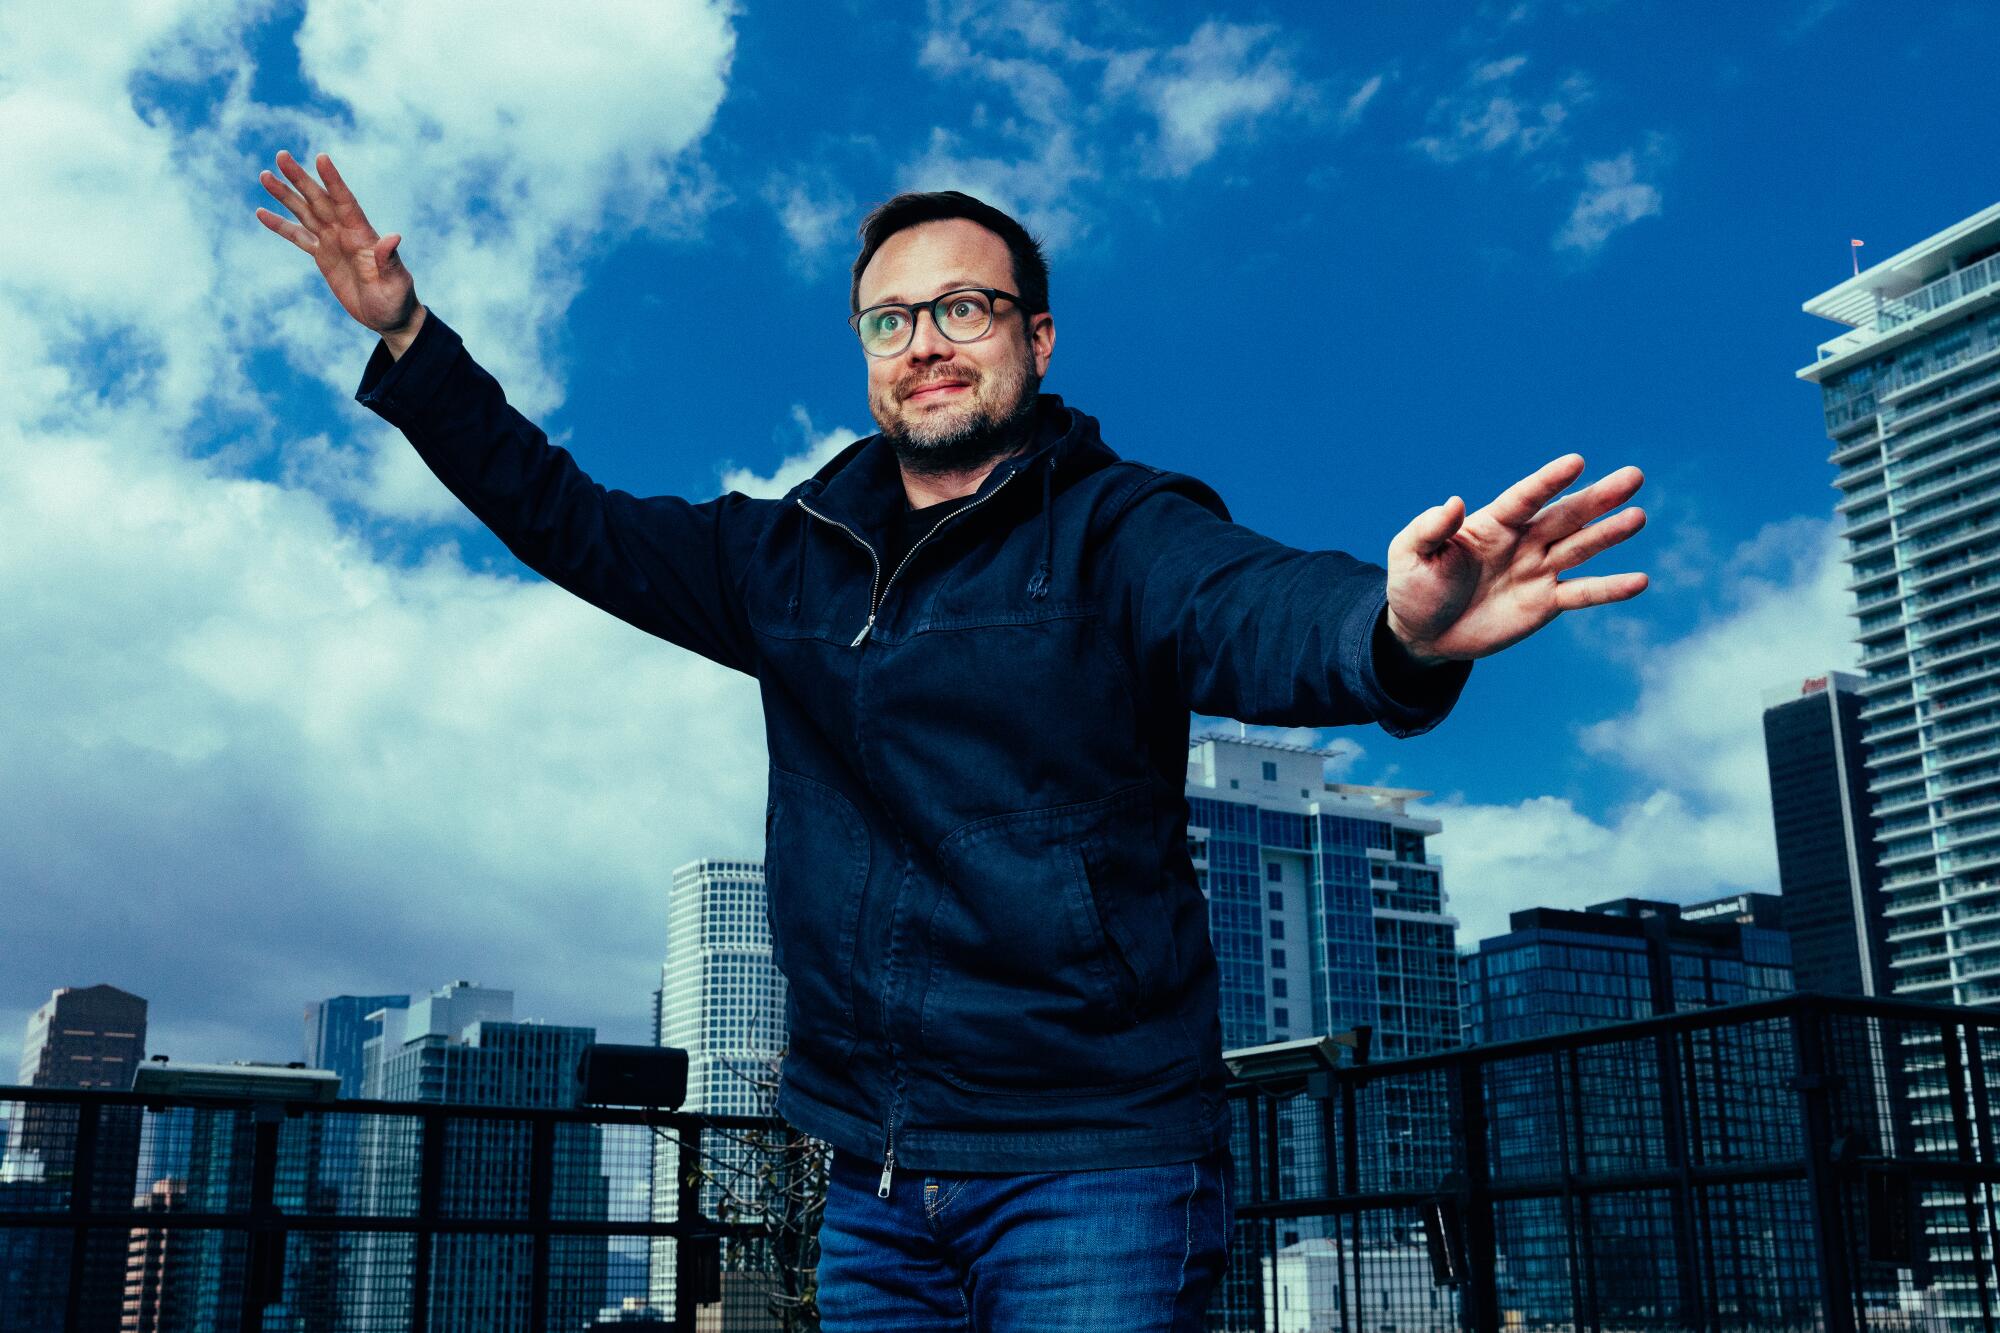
x=978, y=635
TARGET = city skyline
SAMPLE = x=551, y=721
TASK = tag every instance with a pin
x=297, y=729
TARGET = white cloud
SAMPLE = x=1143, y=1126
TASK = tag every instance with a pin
x=1357, y=103
x=251, y=761
x=1694, y=739
x=1221, y=80
x=820, y=448
x=1613, y=198
x=1487, y=115
x=1039, y=189
x=815, y=212
x=1077, y=114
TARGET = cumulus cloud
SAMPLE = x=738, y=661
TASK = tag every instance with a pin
x=1695, y=740
x=820, y=447
x=252, y=759
x=1076, y=113
x=1612, y=198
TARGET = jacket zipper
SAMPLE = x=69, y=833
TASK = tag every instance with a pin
x=888, y=1152
x=875, y=597
x=877, y=591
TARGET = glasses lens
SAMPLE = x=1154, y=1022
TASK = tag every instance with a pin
x=963, y=315
x=884, y=330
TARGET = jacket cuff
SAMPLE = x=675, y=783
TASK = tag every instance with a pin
x=398, y=389
x=1407, y=699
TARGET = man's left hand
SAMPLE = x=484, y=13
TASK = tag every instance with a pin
x=1464, y=586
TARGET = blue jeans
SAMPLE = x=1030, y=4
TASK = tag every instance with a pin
x=1138, y=1248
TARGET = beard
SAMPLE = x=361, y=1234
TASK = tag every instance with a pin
x=991, y=421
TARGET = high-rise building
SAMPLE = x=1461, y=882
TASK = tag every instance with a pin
x=722, y=1000
x=1825, y=830
x=1912, y=401
x=1558, y=970
x=149, y=1252
x=1326, y=913
x=1911, y=393
x=338, y=1028
x=84, y=1037
x=461, y=1045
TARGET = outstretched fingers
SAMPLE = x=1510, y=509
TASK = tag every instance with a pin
x=291, y=231
x=1581, y=545
x=1572, y=512
x=346, y=207
x=1516, y=506
x=318, y=205
x=1598, y=590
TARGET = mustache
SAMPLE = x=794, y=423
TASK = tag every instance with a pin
x=944, y=374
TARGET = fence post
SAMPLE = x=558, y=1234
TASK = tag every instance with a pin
x=1479, y=1299
x=1667, y=1048
x=264, y=1281
x=430, y=1190
x=541, y=1184
x=1829, y=1231
x=82, y=1208
x=687, y=1193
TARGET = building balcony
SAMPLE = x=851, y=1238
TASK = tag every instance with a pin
x=1918, y=931
x=1928, y=631
x=1961, y=456
x=1943, y=383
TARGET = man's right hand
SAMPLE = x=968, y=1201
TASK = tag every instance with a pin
x=361, y=267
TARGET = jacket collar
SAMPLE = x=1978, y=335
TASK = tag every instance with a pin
x=862, y=486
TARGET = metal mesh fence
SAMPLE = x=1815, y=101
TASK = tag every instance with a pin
x=1802, y=1164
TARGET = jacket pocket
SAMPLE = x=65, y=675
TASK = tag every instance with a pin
x=815, y=868
x=1044, y=979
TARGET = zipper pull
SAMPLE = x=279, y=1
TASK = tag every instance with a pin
x=856, y=644
x=888, y=1169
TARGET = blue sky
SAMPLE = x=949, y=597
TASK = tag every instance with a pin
x=288, y=724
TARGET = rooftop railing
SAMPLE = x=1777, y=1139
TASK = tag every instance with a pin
x=1805, y=1162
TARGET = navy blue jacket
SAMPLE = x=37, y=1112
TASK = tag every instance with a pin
x=979, y=887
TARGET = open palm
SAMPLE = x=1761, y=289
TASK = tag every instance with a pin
x=360, y=266
x=1463, y=586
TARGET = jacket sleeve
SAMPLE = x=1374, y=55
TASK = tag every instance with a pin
x=1249, y=628
x=670, y=567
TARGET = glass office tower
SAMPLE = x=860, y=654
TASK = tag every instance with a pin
x=722, y=1000
x=1911, y=394
x=1326, y=913
x=1825, y=831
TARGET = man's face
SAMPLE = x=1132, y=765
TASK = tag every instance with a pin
x=940, y=400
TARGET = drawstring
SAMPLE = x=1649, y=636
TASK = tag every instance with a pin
x=799, y=585
x=1038, y=586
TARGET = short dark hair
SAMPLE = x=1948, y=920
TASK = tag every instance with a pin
x=1031, y=270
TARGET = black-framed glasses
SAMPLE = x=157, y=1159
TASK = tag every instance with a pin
x=962, y=316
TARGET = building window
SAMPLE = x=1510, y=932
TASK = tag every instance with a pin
x=1282, y=1017
x=1277, y=901
x=1270, y=771
x=1274, y=871
x=1277, y=929
x=1277, y=958
x=1278, y=988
